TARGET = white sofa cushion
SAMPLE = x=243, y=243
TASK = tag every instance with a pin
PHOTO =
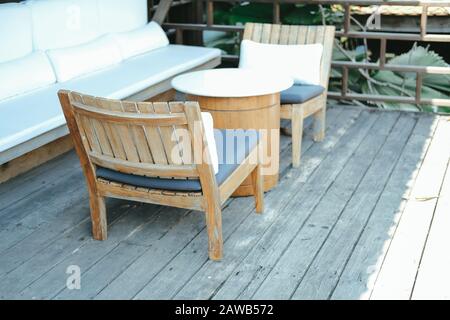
x=120, y=15
x=63, y=23
x=208, y=124
x=73, y=62
x=134, y=75
x=301, y=62
x=15, y=31
x=40, y=111
x=142, y=40
x=25, y=74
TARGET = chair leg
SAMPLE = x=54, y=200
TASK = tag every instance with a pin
x=98, y=217
x=319, y=124
x=258, y=188
x=214, y=228
x=297, y=132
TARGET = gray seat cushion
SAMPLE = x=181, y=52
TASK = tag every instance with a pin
x=300, y=93
x=233, y=146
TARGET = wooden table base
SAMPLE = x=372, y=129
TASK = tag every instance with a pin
x=257, y=112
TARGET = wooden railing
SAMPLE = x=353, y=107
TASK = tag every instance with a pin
x=348, y=31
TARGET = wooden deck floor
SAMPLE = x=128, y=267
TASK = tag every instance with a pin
x=365, y=217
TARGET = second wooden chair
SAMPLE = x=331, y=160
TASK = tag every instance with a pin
x=301, y=101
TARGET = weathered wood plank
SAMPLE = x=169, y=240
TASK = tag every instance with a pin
x=399, y=269
x=37, y=179
x=166, y=284
x=136, y=217
x=104, y=271
x=33, y=260
x=433, y=278
x=315, y=216
x=209, y=278
x=357, y=279
x=146, y=266
x=322, y=275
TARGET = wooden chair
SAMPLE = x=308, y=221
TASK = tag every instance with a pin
x=290, y=34
x=142, y=141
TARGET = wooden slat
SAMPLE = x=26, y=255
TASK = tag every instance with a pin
x=302, y=35
x=265, y=34
x=145, y=169
x=248, y=31
x=257, y=32
x=168, y=136
x=275, y=34
x=182, y=135
x=99, y=129
x=139, y=135
x=121, y=127
x=113, y=136
x=120, y=117
x=293, y=34
x=311, y=36
x=284, y=34
x=153, y=136
x=88, y=136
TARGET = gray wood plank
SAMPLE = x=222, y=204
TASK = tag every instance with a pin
x=314, y=221
x=399, y=269
x=103, y=272
x=23, y=264
x=166, y=284
x=37, y=179
x=433, y=278
x=174, y=243
x=357, y=279
x=209, y=278
x=322, y=275
x=138, y=217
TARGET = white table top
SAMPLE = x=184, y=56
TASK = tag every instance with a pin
x=231, y=83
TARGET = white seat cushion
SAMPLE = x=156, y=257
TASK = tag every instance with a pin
x=120, y=15
x=142, y=40
x=138, y=73
x=15, y=31
x=301, y=62
x=63, y=23
x=25, y=74
x=29, y=115
x=73, y=62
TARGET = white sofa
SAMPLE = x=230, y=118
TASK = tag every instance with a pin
x=47, y=45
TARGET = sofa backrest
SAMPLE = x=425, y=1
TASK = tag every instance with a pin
x=15, y=31
x=120, y=15
x=66, y=23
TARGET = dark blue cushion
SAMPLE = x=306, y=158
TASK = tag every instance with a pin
x=233, y=146
x=300, y=93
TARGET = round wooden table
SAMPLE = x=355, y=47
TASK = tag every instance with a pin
x=241, y=99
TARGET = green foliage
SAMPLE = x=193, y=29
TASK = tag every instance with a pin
x=378, y=82
x=404, y=83
x=263, y=12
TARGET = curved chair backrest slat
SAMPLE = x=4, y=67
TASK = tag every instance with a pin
x=143, y=138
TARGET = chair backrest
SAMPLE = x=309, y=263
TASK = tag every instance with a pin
x=151, y=139
x=293, y=34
